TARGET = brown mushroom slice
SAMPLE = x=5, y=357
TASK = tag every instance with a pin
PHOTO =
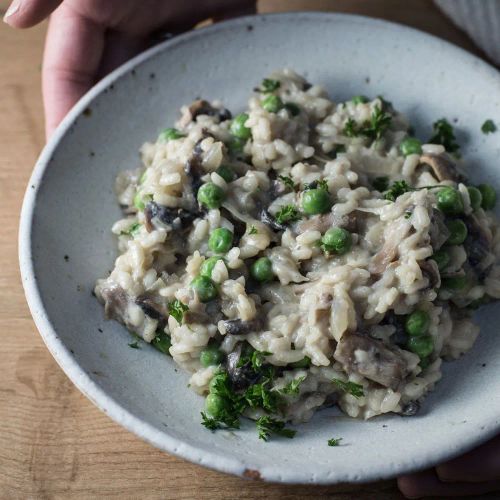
x=202, y=107
x=372, y=359
x=431, y=271
x=319, y=223
x=442, y=166
x=116, y=301
x=438, y=231
x=478, y=243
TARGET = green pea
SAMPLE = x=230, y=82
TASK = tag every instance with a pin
x=442, y=258
x=424, y=363
x=475, y=197
x=450, y=201
x=211, y=195
x=238, y=128
x=236, y=146
x=337, y=240
x=211, y=356
x=305, y=362
x=208, y=266
x=262, y=270
x=221, y=240
x=215, y=405
x=421, y=346
x=458, y=232
x=272, y=103
x=489, y=196
x=417, y=323
x=292, y=108
x=455, y=283
x=410, y=146
x=162, y=342
x=170, y=134
x=226, y=173
x=359, y=99
x=205, y=288
x=316, y=201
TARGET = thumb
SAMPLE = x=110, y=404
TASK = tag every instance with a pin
x=27, y=13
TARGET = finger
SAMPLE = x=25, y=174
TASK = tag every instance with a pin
x=481, y=464
x=427, y=483
x=72, y=56
x=119, y=48
x=27, y=13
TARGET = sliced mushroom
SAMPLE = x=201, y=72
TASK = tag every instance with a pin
x=438, y=231
x=152, y=309
x=202, y=107
x=431, y=271
x=116, y=302
x=372, y=359
x=478, y=243
x=241, y=376
x=240, y=327
x=410, y=409
x=442, y=166
x=178, y=218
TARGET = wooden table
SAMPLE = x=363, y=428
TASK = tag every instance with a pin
x=53, y=442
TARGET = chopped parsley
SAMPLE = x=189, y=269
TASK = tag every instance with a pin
x=257, y=359
x=162, y=342
x=261, y=396
x=292, y=388
x=253, y=230
x=373, y=129
x=488, y=127
x=176, y=309
x=287, y=181
x=444, y=135
x=287, y=213
x=334, y=441
x=267, y=426
x=269, y=85
x=397, y=189
x=132, y=230
x=351, y=388
x=134, y=345
x=381, y=183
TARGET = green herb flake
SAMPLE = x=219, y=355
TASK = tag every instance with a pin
x=257, y=359
x=292, y=388
x=134, y=345
x=351, y=128
x=287, y=213
x=253, y=230
x=287, y=181
x=397, y=189
x=488, y=127
x=268, y=85
x=351, y=388
x=334, y=442
x=132, y=230
x=444, y=135
x=176, y=309
x=322, y=184
x=267, y=426
x=373, y=129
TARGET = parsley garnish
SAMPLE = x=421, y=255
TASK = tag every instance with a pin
x=380, y=183
x=444, y=135
x=267, y=426
x=373, y=129
x=351, y=388
x=132, y=229
x=488, y=127
x=287, y=181
x=253, y=230
x=162, y=342
x=351, y=128
x=397, y=189
x=287, y=213
x=269, y=85
x=134, y=345
x=334, y=441
x=261, y=396
x=293, y=386
x=176, y=309
x=257, y=359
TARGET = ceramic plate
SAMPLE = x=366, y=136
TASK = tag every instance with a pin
x=65, y=239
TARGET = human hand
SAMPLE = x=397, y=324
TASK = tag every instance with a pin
x=86, y=39
x=474, y=473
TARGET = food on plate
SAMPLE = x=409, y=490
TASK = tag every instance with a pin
x=303, y=254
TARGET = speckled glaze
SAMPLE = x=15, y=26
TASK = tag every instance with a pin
x=69, y=208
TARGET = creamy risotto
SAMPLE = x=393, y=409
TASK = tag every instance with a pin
x=302, y=254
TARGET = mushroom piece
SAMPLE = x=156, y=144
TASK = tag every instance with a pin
x=152, y=309
x=410, y=409
x=478, y=243
x=431, y=271
x=438, y=231
x=241, y=376
x=202, y=107
x=270, y=221
x=116, y=302
x=442, y=166
x=240, y=327
x=372, y=359
x=178, y=218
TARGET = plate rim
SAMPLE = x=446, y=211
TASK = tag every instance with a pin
x=161, y=438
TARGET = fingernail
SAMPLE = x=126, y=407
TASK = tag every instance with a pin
x=13, y=8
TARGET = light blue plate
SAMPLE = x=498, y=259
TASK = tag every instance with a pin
x=69, y=208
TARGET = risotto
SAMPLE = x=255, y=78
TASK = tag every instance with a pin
x=302, y=254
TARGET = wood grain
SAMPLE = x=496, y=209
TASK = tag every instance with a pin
x=53, y=442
